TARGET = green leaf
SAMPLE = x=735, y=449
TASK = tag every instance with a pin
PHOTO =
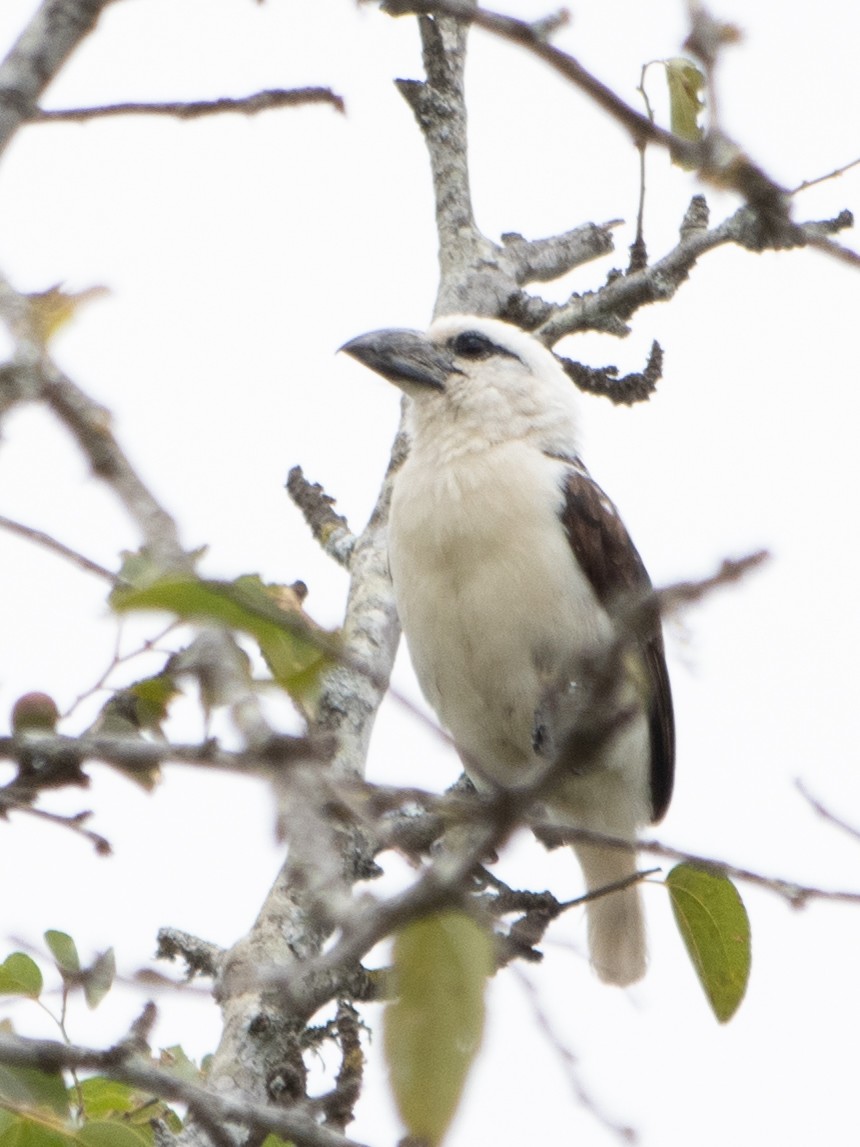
x=24, y=1132
x=112, y=1134
x=99, y=977
x=139, y=568
x=179, y=1064
x=295, y=649
x=27, y=1087
x=20, y=976
x=49, y=311
x=106, y=1100
x=153, y=695
x=102, y=1097
x=433, y=1028
x=714, y=925
x=62, y=947
x=686, y=83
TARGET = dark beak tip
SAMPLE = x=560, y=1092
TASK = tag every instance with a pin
x=367, y=348
x=404, y=357
x=350, y=347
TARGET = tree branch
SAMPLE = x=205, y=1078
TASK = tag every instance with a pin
x=625, y=391
x=131, y=753
x=716, y=157
x=211, y=1108
x=570, y=1066
x=439, y=106
x=605, y=309
x=201, y=958
x=807, y=183
x=478, y=276
x=42, y=539
x=543, y=260
x=89, y=425
x=826, y=814
x=195, y=109
x=37, y=56
x=330, y=529
x=326, y=856
x=33, y=376
x=75, y=823
x=796, y=893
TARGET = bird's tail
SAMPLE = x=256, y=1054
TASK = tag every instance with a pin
x=616, y=924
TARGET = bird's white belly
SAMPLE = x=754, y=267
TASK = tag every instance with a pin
x=493, y=604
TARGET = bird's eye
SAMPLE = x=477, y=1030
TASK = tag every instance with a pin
x=472, y=344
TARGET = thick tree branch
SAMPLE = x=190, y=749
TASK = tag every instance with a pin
x=439, y=106
x=38, y=54
x=132, y=754
x=353, y=690
x=210, y=1107
x=325, y=856
x=478, y=276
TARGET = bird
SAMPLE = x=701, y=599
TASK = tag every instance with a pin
x=512, y=571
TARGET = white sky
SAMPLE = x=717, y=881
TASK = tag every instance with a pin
x=240, y=253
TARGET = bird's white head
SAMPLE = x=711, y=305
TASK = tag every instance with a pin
x=475, y=382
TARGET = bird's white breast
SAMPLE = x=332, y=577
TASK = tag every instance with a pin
x=493, y=604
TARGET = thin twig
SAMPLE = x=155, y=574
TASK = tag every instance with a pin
x=196, y=109
x=42, y=539
x=570, y=1064
x=825, y=812
x=730, y=570
x=807, y=183
x=795, y=893
x=146, y=646
x=74, y=823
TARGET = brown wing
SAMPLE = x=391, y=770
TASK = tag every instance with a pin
x=613, y=566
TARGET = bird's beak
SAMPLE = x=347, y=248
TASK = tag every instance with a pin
x=406, y=358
